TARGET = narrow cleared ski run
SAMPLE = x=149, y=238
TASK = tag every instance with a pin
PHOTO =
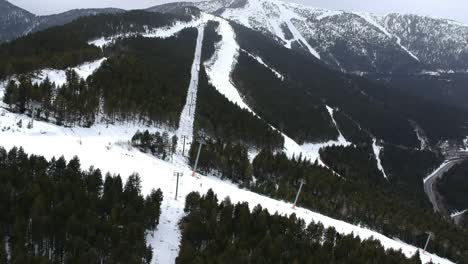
x=312, y=149
x=167, y=237
x=188, y=113
x=222, y=63
x=376, y=148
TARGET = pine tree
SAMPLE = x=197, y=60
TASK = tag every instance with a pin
x=11, y=90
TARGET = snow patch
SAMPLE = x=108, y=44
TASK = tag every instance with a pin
x=259, y=60
x=328, y=13
x=455, y=214
x=162, y=32
x=377, y=149
x=169, y=31
x=59, y=76
x=312, y=149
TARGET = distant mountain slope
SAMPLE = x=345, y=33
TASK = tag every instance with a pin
x=351, y=42
x=16, y=22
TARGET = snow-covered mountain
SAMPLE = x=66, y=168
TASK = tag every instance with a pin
x=352, y=42
x=347, y=41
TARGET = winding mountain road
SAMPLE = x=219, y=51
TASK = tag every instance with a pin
x=429, y=181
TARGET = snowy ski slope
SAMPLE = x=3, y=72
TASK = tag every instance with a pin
x=106, y=147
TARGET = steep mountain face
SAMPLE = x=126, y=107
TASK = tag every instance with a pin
x=14, y=21
x=351, y=42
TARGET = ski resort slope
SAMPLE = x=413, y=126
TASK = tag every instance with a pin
x=59, y=76
x=187, y=116
x=107, y=147
x=104, y=147
x=222, y=63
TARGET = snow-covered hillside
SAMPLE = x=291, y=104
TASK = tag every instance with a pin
x=106, y=147
x=353, y=42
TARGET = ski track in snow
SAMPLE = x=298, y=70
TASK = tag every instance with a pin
x=221, y=64
x=255, y=9
x=377, y=150
x=59, y=76
x=368, y=17
x=312, y=149
x=259, y=60
x=162, y=32
x=287, y=17
x=101, y=146
x=188, y=113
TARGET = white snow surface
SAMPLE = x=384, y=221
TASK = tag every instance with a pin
x=162, y=32
x=59, y=77
x=103, y=147
x=311, y=150
x=188, y=113
x=221, y=64
x=377, y=149
x=455, y=214
x=271, y=14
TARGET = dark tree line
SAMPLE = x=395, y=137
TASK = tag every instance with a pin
x=158, y=144
x=54, y=212
x=299, y=115
x=357, y=200
x=454, y=186
x=210, y=38
x=382, y=111
x=64, y=46
x=144, y=80
x=220, y=119
x=356, y=161
x=231, y=233
x=226, y=159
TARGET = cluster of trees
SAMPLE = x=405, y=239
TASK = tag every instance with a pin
x=454, y=186
x=228, y=233
x=64, y=46
x=407, y=168
x=298, y=114
x=210, y=38
x=384, y=112
x=228, y=160
x=53, y=212
x=158, y=144
x=356, y=161
x=220, y=119
x=357, y=200
x=144, y=80
x=73, y=103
